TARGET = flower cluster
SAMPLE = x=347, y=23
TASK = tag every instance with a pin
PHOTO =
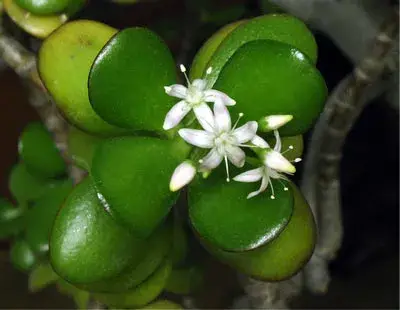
x=224, y=140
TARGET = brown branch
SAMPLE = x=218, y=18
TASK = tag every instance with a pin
x=321, y=179
x=23, y=63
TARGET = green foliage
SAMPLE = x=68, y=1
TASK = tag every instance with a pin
x=86, y=244
x=41, y=276
x=114, y=235
x=70, y=52
x=284, y=256
x=46, y=7
x=35, y=25
x=22, y=256
x=41, y=157
x=223, y=216
x=142, y=294
x=132, y=174
x=127, y=79
x=278, y=65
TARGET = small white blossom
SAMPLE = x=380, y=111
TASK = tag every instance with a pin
x=274, y=165
x=193, y=97
x=219, y=136
x=183, y=175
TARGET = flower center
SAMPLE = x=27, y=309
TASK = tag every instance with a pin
x=222, y=141
x=194, y=96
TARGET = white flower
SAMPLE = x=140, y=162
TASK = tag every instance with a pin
x=219, y=136
x=274, y=165
x=195, y=97
x=183, y=175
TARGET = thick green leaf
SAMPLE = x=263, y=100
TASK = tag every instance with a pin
x=285, y=255
x=281, y=28
x=74, y=6
x=142, y=294
x=163, y=304
x=22, y=256
x=12, y=220
x=65, y=59
x=8, y=212
x=39, y=153
x=269, y=77
x=86, y=244
x=80, y=297
x=41, y=276
x=203, y=56
x=38, y=26
x=24, y=186
x=157, y=247
x=81, y=147
x=133, y=174
x=43, y=7
x=40, y=218
x=222, y=215
x=126, y=82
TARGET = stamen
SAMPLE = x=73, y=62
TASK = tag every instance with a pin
x=289, y=149
x=209, y=70
x=201, y=161
x=183, y=70
x=285, y=188
x=297, y=160
x=228, y=179
x=237, y=121
x=272, y=189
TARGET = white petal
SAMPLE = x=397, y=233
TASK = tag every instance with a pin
x=246, y=132
x=236, y=155
x=199, y=84
x=213, y=95
x=273, y=122
x=250, y=176
x=176, y=114
x=222, y=118
x=205, y=116
x=263, y=187
x=196, y=137
x=278, y=143
x=211, y=160
x=182, y=175
x=276, y=161
x=260, y=142
x=176, y=90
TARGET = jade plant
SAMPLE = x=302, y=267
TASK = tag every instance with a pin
x=223, y=136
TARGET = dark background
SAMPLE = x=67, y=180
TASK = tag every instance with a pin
x=365, y=273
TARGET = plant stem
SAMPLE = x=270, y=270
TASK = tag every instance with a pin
x=23, y=63
x=321, y=183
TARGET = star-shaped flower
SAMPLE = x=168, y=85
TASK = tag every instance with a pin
x=275, y=164
x=219, y=136
x=194, y=97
